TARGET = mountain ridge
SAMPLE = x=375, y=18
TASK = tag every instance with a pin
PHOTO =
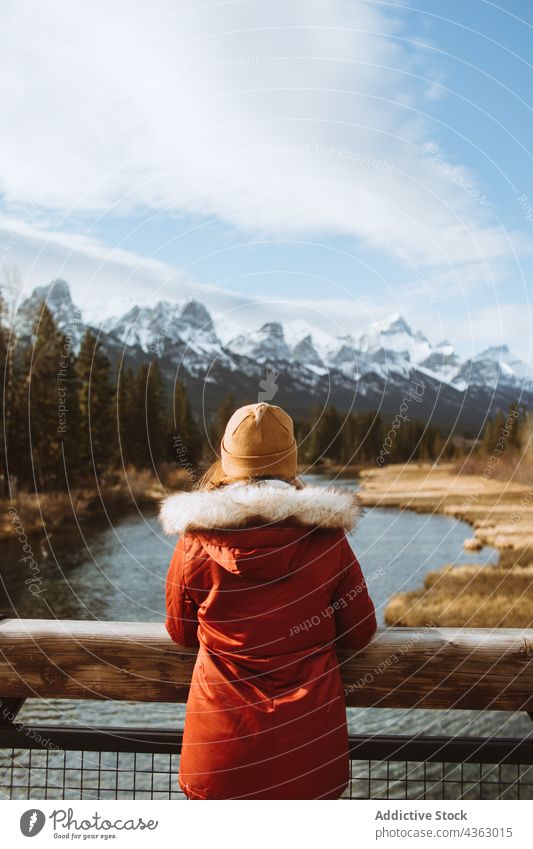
x=371, y=370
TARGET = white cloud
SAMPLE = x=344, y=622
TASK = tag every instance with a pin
x=108, y=281
x=496, y=324
x=103, y=279
x=283, y=118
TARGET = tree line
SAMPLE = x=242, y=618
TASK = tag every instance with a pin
x=368, y=438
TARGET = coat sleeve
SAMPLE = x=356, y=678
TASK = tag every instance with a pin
x=182, y=612
x=355, y=616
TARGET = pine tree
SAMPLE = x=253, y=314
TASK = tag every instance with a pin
x=223, y=414
x=525, y=436
x=302, y=430
x=515, y=418
x=133, y=423
x=39, y=440
x=373, y=429
x=363, y=437
x=69, y=410
x=97, y=409
x=155, y=417
x=186, y=442
x=143, y=418
x=327, y=437
x=491, y=433
x=125, y=430
x=6, y=377
x=427, y=441
x=437, y=447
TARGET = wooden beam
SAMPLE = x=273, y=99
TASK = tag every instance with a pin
x=402, y=667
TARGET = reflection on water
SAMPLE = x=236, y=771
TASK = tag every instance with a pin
x=117, y=573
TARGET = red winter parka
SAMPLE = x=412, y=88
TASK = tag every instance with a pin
x=264, y=582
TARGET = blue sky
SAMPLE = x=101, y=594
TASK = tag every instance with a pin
x=336, y=161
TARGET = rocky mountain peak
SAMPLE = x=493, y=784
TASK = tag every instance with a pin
x=396, y=323
x=197, y=315
x=272, y=328
x=56, y=295
x=305, y=352
x=494, y=352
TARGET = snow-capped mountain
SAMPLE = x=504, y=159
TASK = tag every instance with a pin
x=266, y=345
x=59, y=301
x=493, y=366
x=395, y=336
x=442, y=361
x=306, y=353
x=373, y=370
x=151, y=327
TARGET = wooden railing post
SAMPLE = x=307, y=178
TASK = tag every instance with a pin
x=402, y=667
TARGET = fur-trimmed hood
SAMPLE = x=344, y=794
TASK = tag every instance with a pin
x=268, y=502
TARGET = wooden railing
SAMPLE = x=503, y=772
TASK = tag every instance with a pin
x=401, y=668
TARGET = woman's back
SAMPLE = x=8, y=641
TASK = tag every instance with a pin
x=266, y=593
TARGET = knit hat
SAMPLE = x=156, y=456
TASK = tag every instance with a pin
x=259, y=441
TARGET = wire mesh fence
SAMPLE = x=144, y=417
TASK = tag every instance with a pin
x=44, y=774
x=81, y=767
x=423, y=780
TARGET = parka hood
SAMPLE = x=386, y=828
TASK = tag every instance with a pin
x=264, y=503
x=260, y=530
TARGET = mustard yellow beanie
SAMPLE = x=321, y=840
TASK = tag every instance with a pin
x=259, y=441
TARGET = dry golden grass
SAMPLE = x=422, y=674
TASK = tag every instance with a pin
x=468, y=596
x=501, y=514
x=47, y=509
x=174, y=477
x=513, y=466
x=135, y=486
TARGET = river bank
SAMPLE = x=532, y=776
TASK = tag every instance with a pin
x=31, y=513
x=501, y=514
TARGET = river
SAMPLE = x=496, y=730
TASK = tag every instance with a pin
x=117, y=572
